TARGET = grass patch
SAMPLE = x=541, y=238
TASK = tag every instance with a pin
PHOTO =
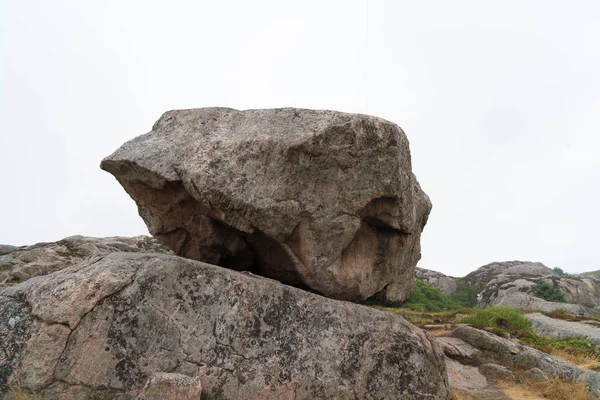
x=424, y=318
x=18, y=393
x=575, y=351
x=507, y=318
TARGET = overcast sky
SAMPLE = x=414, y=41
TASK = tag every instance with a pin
x=500, y=101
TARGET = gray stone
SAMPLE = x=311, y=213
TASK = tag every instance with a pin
x=321, y=199
x=556, y=328
x=446, y=284
x=507, y=352
x=457, y=349
x=111, y=321
x=464, y=376
x=6, y=249
x=592, y=381
x=495, y=372
x=528, y=302
x=534, y=375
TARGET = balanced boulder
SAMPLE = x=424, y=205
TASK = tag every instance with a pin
x=317, y=199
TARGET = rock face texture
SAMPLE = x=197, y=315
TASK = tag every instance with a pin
x=506, y=352
x=165, y=386
x=551, y=327
x=320, y=199
x=509, y=284
x=22, y=263
x=446, y=284
x=105, y=325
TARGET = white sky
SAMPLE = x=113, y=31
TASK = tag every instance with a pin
x=500, y=101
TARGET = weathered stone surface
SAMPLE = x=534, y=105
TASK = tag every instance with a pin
x=457, y=349
x=166, y=386
x=463, y=376
x=322, y=199
x=507, y=352
x=6, y=248
x=528, y=302
x=510, y=284
x=446, y=284
x=108, y=323
x=43, y=258
x=533, y=375
x=551, y=327
x=495, y=372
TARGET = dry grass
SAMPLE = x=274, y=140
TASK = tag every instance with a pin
x=560, y=390
x=552, y=389
x=18, y=393
x=440, y=332
x=582, y=361
x=459, y=395
x=519, y=393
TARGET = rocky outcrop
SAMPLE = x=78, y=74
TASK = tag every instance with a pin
x=446, y=284
x=6, y=249
x=510, y=284
x=550, y=327
x=490, y=358
x=506, y=352
x=107, y=324
x=22, y=263
x=528, y=302
x=319, y=199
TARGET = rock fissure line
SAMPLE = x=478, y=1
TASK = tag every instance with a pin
x=133, y=279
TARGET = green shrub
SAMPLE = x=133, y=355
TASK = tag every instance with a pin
x=548, y=292
x=466, y=293
x=507, y=318
x=426, y=298
x=574, y=346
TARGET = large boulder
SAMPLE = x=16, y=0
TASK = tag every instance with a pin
x=108, y=326
x=319, y=199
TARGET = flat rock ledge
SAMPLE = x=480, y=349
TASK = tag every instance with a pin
x=317, y=199
x=106, y=325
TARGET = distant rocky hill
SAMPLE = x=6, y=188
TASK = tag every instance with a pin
x=511, y=284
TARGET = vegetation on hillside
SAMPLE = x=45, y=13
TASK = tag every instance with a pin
x=507, y=318
x=548, y=292
x=559, y=271
x=591, y=275
x=428, y=298
x=466, y=293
